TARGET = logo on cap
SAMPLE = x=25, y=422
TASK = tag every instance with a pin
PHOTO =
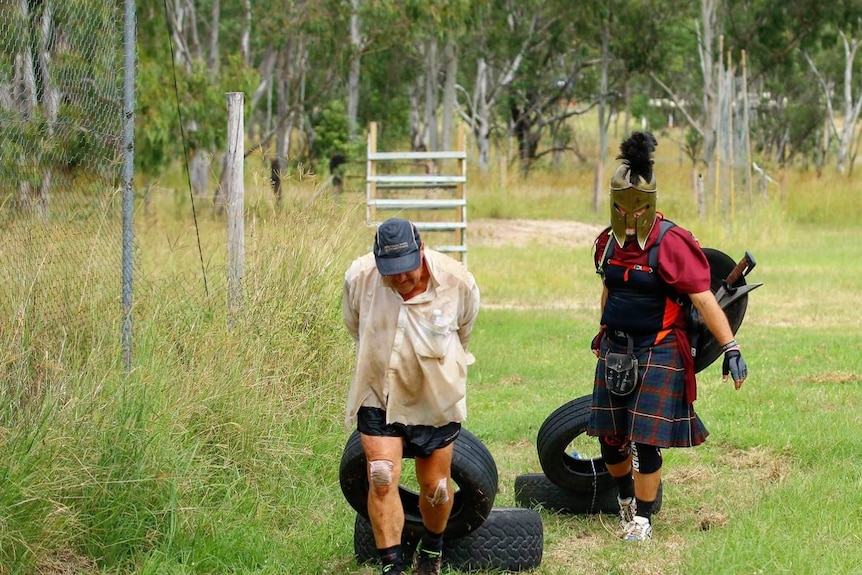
x=396, y=247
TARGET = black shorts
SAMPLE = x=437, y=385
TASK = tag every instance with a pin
x=419, y=440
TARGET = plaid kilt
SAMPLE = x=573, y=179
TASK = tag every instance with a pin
x=656, y=412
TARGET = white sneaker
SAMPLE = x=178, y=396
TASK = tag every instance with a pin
x=638, y=529
x=628, y=509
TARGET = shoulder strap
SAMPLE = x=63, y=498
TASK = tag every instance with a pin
x=606, y=254
x=652, y=258
x=664, y=226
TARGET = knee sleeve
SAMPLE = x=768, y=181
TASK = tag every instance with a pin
x=381, y=472
x=646, y=458
x=615, y=449
x=441, y=493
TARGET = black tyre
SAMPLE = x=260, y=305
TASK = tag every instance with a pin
x=535, y=490
x=510, y=539
x=586, y=476
x=474, y=473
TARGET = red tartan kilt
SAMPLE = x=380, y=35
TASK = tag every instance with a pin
x=656, y=413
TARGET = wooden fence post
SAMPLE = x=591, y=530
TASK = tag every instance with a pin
x=233, y=179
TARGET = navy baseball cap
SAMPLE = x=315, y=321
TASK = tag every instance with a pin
x=396, y=247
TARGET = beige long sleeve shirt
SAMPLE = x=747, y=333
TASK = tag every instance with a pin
x=404, y=365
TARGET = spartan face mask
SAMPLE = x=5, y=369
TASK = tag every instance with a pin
x=632, y=205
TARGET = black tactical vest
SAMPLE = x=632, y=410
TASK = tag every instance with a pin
x=638, y=299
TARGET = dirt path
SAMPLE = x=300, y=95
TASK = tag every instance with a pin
x=522, y=232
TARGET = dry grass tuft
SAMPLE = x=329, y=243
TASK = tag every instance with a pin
x=65, y=562
x=769, y=467
x=710, y=517
x=835, y=378
x=690, y=474
x=513, y=379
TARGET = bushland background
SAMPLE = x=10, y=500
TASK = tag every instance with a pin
x=219, y=451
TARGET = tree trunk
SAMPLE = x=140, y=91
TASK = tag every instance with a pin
x=482, y=116
x=275, y=178
x=281, y=93
x=299, y=107
x=451, y=65
x=177, y=19
x=417, y=134
x=214, y=60
x=33, y=87
x=431, y=74
x=710, y=102
x=851, y=108
x=245, y=38
x=599, y=184
x=267, y=71
x=199, y=170
x=194, y=40
x=356, y=47
x=50, y=100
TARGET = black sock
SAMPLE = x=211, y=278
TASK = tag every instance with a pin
x=645, y=509
x=432, y=541
x=392, y=556
x=626, y=485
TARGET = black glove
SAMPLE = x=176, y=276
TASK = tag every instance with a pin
x=734, y=365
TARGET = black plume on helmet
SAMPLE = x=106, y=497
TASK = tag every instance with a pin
x=636, y=151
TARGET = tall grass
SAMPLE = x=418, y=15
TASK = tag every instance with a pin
x=219, y=452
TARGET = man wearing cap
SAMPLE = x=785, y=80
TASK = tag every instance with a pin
x=645, y=380
x=410, y=310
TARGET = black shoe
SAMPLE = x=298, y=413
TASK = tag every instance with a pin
x=427, y=562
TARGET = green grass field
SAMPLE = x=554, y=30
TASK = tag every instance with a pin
x=219, y=452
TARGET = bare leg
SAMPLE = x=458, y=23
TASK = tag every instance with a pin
x=435, y=488
x=384, y=475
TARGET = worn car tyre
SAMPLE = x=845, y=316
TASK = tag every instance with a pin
x=587, y=475
x=535, y=490
x=474, y=473
x=510, y=539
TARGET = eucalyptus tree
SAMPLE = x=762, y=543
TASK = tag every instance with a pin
x=556, y=82
x=833, y=62
x=787, y=108
x=288, y=56
x=31, y=98
x=431, y=50
x=629, y=40
x=770, y=34
x=185, y=117
x=539, y=63
x=357, y=46
x=295, y=41
x=58, y=85
x=502, y=33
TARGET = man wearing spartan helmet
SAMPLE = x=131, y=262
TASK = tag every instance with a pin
x=645, y=385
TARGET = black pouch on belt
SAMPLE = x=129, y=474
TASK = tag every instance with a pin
x=621, y=370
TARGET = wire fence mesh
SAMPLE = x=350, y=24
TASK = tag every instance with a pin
x=61, y=112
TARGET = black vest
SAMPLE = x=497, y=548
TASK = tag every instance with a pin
x=638, y=299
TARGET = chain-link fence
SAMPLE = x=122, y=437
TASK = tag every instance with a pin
x=61, y=182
